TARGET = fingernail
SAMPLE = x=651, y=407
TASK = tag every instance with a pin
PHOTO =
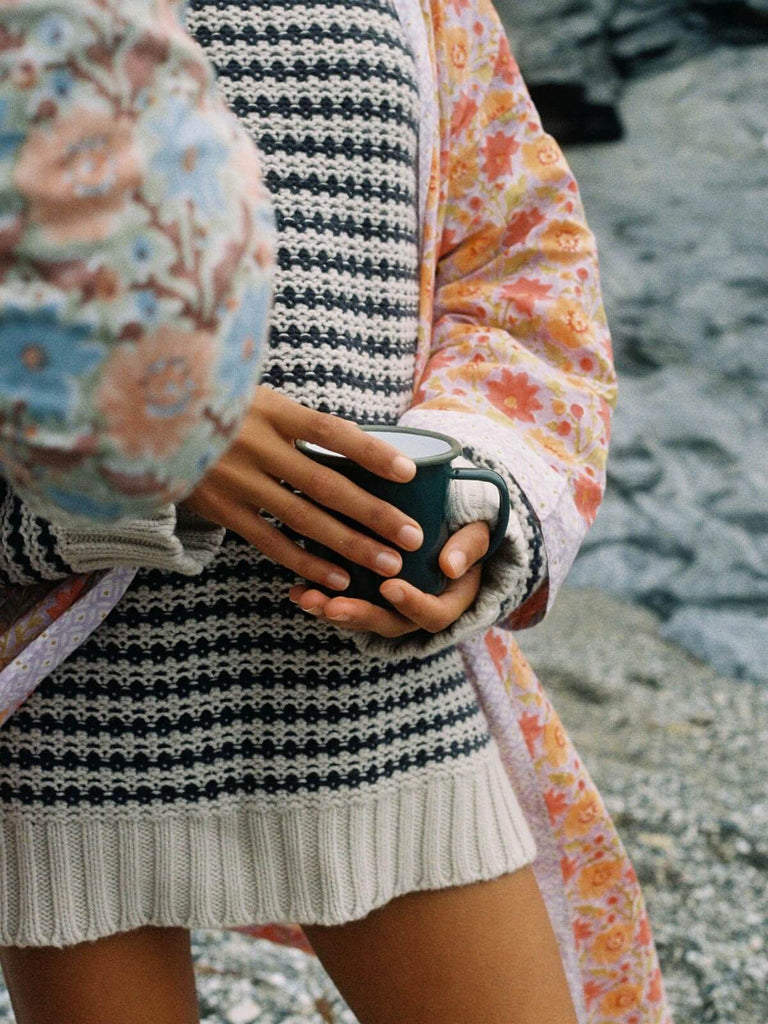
x=314, y=610
x=457, y=561
x=337, y=580
x=395, y=594
x=403, y=468
x=410, y=537
x=338, y=617
x=388, y=563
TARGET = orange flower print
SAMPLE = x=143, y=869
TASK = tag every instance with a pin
x=151, y=392
x=611, y=945
x=464, y=109
x=569, y=325
x=582, y=931
x=583, y=815
x=556, y=804
x=587, y=496
x=520, y=226
x=515, y=396
x=597, y=878
x=473, y=252
x=464, y=172
x=619, y=1000
x=506, y=65
x=565, y=241
x=551, y=444
x=78, y=173
x=497, y=104
x=458, y=47
x=655, y=991
x=498, y=150
x=543, y=158
x=555, y=742
x=644, y=936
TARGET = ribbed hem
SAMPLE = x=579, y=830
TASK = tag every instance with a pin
x=72, y=877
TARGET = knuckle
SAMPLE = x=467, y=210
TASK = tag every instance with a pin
x=297, y=514
x=369, y=449
x=322, y=425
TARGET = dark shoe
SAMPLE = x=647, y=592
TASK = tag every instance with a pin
x=571, y=118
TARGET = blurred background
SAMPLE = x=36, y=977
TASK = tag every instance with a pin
x=662, y=109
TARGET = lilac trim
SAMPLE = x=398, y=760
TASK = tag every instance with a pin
x=412, y=21
x=20, y=677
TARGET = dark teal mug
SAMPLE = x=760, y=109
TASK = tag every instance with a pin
x=424, y=498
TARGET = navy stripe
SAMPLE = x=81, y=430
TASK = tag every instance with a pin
x=191, y=793
x=296, y=34
x=351, y=265
x=334, y=185
x=369, y=230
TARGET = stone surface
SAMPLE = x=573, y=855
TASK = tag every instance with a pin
x=679, y=213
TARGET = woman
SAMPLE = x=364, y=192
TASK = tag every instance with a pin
x=213, y=755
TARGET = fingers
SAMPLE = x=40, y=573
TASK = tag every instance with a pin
x=346, y=438
x=429, y=612
x=413, y=609
x=351, y=614
x=275, y=545
x=308, y=520
x=336, y=492
x=464, y=548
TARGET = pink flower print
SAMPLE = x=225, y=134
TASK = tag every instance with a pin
x=78, y=173
x=151, y=391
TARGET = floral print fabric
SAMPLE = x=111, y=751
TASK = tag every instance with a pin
x=135, y=254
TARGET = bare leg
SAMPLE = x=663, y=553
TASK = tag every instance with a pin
x=138, y=977
x=475, y=954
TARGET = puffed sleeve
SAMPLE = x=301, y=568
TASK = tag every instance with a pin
x=136, y=244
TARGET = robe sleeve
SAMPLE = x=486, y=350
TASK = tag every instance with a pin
x=520, y=368
x=136, y=247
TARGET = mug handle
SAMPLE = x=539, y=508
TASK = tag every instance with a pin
x=488, y=476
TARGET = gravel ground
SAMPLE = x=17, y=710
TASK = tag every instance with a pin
x=678, y=754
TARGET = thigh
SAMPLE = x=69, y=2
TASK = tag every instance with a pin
x=475, y=954
x=143, y=976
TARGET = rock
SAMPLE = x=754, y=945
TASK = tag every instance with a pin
x=684, y=523
x=735, y=644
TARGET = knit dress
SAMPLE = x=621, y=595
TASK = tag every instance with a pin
x=213, y=756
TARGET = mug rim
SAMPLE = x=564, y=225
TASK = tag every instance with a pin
x=422, y=460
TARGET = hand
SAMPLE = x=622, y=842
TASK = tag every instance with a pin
x=248, y=479
x=415, y=610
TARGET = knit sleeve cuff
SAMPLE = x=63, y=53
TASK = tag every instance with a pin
x=509, y=577
x=172, y=539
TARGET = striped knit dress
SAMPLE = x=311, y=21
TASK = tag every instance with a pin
x=212, y=756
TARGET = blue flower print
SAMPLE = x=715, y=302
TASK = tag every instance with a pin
x=10, y=140
x=191, y=157
x=147, y=306
x=55, y=32
x=79, y=504
x=41, y=360
x=244, y=343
